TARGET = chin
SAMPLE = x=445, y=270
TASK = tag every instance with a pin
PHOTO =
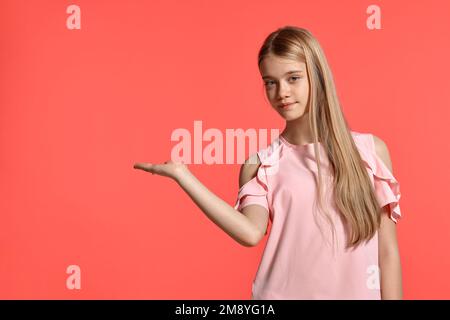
x=291, y=116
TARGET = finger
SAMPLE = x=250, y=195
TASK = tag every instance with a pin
x=143, y=166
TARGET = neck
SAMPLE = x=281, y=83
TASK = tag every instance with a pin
x=298, y=131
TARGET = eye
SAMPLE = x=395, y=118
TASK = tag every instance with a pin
x=269, y=83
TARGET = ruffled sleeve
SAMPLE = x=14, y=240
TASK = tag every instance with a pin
x=257, y=190
x=386, y=186
x=253, y=191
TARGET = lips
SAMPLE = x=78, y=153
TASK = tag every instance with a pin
x=286, y=105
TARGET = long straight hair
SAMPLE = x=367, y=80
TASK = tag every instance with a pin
x=353, y=192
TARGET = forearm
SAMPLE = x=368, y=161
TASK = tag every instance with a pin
x=391, y=277
x=234, y=223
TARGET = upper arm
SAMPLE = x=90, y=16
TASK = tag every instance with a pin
x=383, y=152
x=387, y=234
x=257, y=214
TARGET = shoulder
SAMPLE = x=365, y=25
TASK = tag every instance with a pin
x=268, y=156
x=249, y=169
x=382, y=151
x=370, y=143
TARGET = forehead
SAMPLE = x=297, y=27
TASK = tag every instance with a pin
x=275, y=66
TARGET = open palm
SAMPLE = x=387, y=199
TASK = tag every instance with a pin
x=169, y=168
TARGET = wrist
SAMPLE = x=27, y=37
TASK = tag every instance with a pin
x=181, y=173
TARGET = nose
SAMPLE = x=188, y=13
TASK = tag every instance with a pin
x=283, y=90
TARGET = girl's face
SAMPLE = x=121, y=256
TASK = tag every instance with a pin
x=286, y=82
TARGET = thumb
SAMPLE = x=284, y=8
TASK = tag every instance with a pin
x=142, y=165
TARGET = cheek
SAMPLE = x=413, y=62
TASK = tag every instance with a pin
x=270, y=94
x=302, y=89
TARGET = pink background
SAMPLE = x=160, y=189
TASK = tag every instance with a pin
x=79, y=107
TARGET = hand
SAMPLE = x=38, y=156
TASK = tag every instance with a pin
x=169, y=168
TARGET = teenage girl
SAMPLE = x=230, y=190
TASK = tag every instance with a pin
x=328, y=191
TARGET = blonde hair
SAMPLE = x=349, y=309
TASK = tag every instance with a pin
x=353, y=192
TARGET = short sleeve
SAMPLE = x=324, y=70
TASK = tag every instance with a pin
x=387, y=189
x=386, y=186
x=253, y=191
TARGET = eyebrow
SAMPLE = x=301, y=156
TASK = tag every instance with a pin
x=289, y=72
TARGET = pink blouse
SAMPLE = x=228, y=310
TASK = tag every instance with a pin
x=299, y=262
